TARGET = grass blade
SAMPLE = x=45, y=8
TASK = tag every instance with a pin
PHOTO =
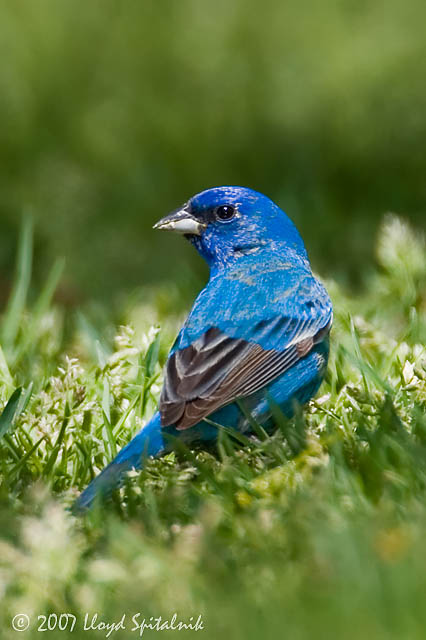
x=39, y=310
x=151, y=358
x=9, y=412
x=17, y=300
x=28, y=455
x=57, y=446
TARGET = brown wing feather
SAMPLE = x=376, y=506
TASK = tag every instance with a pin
x=216, y=369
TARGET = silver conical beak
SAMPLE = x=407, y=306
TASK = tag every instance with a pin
x=181, y=221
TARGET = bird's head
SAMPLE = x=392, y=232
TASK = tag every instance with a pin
x=228, y=224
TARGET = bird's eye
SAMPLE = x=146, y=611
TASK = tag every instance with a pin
x=225, y=212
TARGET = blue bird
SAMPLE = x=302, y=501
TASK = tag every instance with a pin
x=258, y=333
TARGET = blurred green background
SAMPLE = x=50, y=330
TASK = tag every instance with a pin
x=113, y=112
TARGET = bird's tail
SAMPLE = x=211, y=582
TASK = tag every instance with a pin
x=148, y=442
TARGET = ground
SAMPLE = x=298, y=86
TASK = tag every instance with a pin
x=316, y=531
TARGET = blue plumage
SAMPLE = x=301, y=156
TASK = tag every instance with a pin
x=257, y=332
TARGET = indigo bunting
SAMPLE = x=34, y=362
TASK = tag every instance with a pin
x=258, y=333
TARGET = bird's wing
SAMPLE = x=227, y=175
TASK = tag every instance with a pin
x=217, y=368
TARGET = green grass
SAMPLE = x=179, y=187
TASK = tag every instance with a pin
x=316, y=531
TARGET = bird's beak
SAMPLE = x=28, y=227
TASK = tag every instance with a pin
x=181, y=221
